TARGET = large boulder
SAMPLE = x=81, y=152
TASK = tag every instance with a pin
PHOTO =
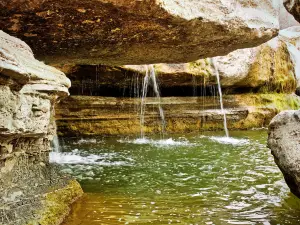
x=28, y=91
x=284, y=136
x=138, y=32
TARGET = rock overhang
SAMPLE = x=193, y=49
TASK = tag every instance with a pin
x=138, y=32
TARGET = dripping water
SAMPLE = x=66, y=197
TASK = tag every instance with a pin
x=221, y=97
x=150, y=76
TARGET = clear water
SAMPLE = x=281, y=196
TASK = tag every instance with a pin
x=200, y=179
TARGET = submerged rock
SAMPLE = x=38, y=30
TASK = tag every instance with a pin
x=284, y=136
x=28, y=91
x=138, y=32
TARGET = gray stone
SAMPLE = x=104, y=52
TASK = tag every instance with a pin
x=284, y=142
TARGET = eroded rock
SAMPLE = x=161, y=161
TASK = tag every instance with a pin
x=28, y=91
x=138, y=32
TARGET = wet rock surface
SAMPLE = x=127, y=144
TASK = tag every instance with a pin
x=137, y=32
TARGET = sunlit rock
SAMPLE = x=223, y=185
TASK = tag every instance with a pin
x=28, y=91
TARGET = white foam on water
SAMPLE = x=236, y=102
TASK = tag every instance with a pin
x=75, y=158
x=161, y=142
x=230, y=140
x=88, y=141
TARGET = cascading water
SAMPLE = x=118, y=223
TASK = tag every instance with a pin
x=150, y=75
x=221, y=97
x=143, y=103
x=56, y=145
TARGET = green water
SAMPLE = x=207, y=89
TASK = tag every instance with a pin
x=194, y=180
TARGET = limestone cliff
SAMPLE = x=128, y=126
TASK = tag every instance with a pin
x=28, y=92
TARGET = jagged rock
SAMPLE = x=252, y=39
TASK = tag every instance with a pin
x=293, y=6
x=138, y=32
x=28, y=91
x=284, y=136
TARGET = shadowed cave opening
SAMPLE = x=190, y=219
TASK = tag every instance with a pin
x=108, y=81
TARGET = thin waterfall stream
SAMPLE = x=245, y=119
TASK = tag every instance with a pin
x=56, y=145
x=151, y=75
x=221, y=97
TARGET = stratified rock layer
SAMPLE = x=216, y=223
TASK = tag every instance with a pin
x=284, y=136
x=28, y=91
x=94, y=115
x=137, y=32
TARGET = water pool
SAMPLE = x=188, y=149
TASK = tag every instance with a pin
x=199, y=179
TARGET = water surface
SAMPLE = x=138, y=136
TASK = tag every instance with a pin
x=200, y=179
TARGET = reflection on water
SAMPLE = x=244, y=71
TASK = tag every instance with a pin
x=183, y=180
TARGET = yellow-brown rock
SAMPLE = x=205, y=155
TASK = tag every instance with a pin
x=126, y=32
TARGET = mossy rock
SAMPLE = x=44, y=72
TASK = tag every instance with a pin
x=56, y=204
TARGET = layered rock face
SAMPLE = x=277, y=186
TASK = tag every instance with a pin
x=138, y=32
x=28, y=91
x=95, y=115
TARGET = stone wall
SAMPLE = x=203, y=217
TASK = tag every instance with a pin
x=28, y=91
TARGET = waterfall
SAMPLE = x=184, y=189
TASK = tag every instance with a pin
x=221, y=97
x=143, y=103
x=150, y=75
x=56, y=145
